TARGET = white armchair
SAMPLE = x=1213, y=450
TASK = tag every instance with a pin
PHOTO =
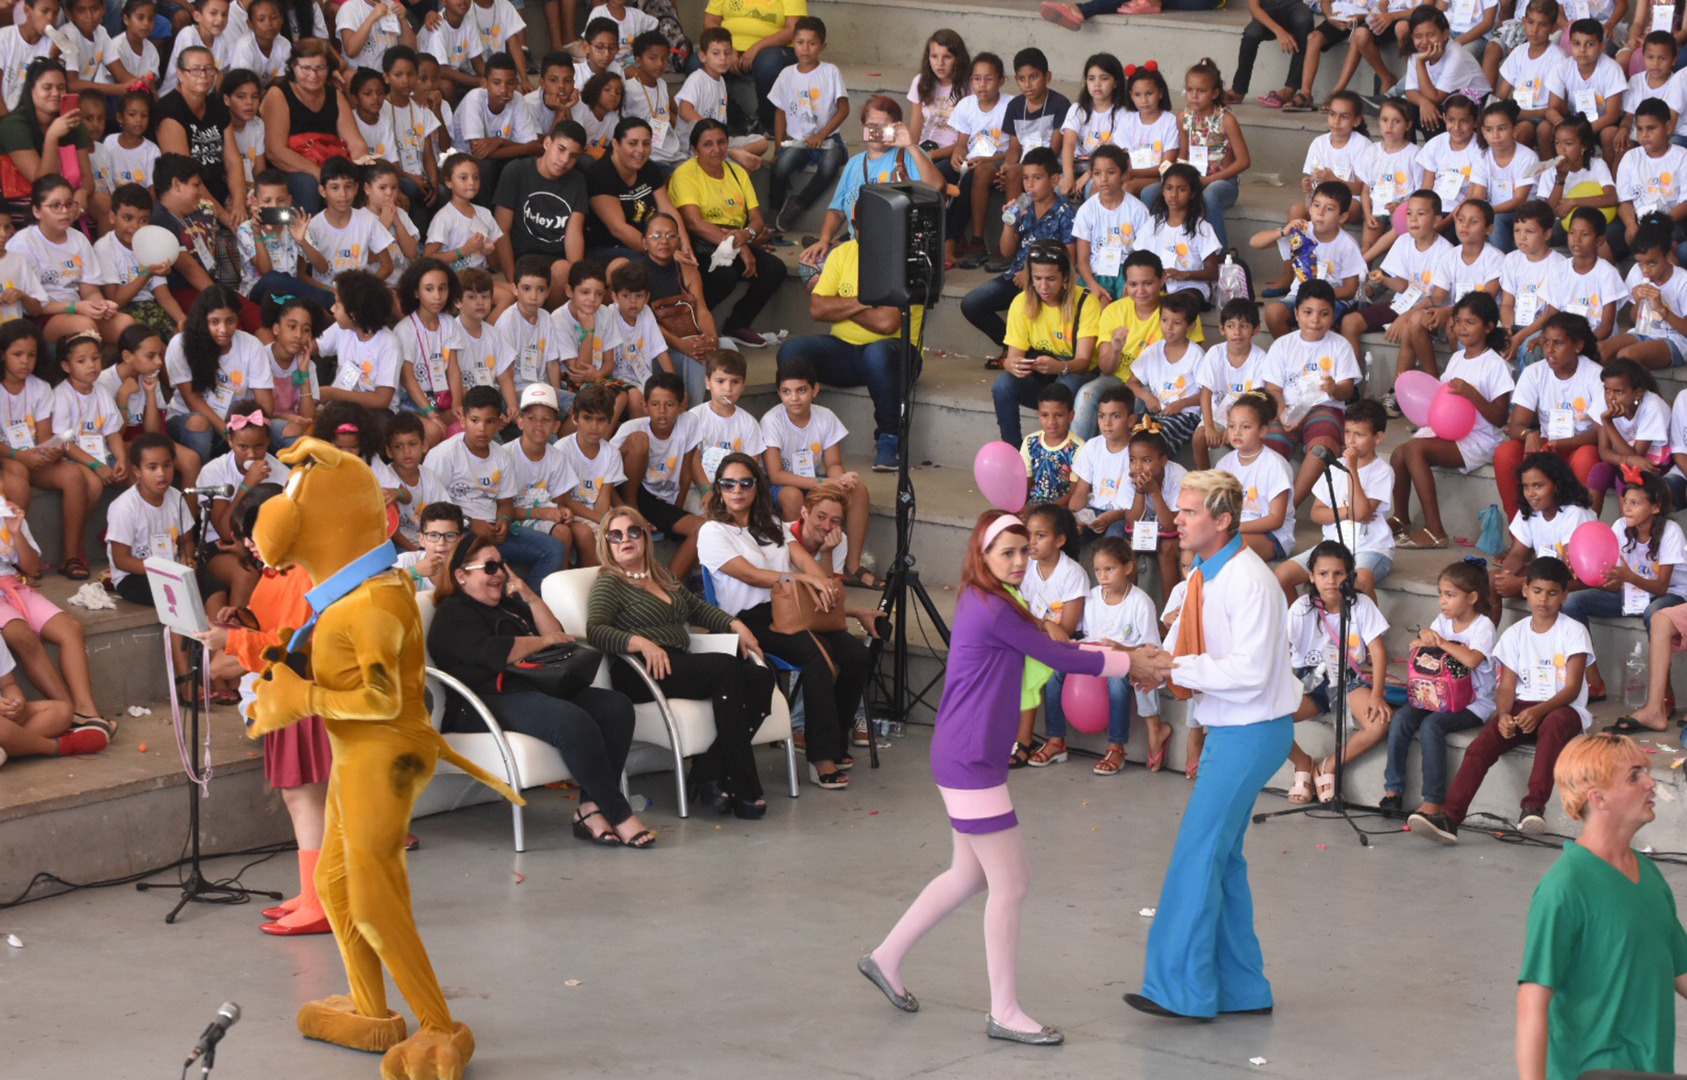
x=684, y=726
x=520, y=760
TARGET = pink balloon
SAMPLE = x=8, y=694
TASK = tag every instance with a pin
x=1451, y=416
x=1413, y=392
x=1592, y=550
x=1001, y=476
x=1085, y=702
x=1400, y=218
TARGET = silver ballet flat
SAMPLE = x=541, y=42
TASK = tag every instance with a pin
x=1044, y=1036
x=870, y=968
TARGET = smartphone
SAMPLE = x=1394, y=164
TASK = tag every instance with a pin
x=879, y=132
x=275, y=215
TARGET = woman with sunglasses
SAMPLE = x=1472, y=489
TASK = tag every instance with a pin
x=637, y=607
x=487, y=619
x=1051, y=336
x=745, y=552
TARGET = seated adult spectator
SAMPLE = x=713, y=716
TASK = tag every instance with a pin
x=716, y=200
x=307, y=120
x=33, y=133
x=626, y=191
x=823, y=528
x=478, y=631
x=864, y=347
x=676, y=299
x=743, y=548
x=891, y=156
x=761, y=35
x=192, y=120
x=540, y=207
x=637, y=607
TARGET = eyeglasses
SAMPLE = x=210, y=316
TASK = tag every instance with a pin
x=313, y=68
x=58, y=206
x=209, y=69
x=442, y=537
x=632, y=532
x=745, y=483
x=493, y=567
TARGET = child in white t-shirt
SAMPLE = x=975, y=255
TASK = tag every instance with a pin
x=596, y=466
x=810, y=105
x=979, y=152
x=1313, y=629
x=1657, y=296
x=1054, y=590
x=368, y=352
x=1360, y=517
x=1633, y=432
x=1165, y=377
x=1268, y=517
x=344, y=237
x=719, y=426
x=1115, y=611
x=409, y=484
x=631, y=334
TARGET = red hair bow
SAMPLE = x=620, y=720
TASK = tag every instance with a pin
x=1132, y=69
x=1632, y=475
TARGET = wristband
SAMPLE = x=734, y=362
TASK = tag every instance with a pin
x=244, y=488
x=506, y=517
x=427, y=409
x=92, y=464
x=527, y=513
x=72, y=310
x=414, y=577
x=12, y=452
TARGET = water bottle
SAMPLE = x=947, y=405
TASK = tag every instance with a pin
x=1365, y=374
x=1012, y=211
x=1634, y=677
x=1232, y=281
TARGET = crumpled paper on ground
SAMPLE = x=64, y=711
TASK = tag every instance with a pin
x=93, y=596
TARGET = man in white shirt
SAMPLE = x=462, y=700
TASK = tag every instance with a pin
x=1203, y=958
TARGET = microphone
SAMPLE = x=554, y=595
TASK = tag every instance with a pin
x=1328, y=457
x=226, y=1018
x=214, y=491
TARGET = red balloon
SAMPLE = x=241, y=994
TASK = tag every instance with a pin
x=1084, y=699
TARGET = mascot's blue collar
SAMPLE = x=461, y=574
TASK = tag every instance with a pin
x=341, y=583
x=1218, y=560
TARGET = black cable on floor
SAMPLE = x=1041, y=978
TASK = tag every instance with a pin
x=265, y=853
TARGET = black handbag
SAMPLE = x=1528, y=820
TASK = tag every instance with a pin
x=560, y=671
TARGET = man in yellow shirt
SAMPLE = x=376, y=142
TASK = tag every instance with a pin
x=864, y=347
x=1129, y=325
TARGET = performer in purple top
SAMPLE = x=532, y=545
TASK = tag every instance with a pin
x=976, y=724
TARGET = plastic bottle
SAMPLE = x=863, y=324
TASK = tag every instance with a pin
x=1365, y=373
x=1634, y=677
x=1232, y=281
x=1011, y=212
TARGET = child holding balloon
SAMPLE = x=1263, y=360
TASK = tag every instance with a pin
x=1116, y=612
x=1634, y=432
x=1464, y=418
x=1644, y=573
x=1312, y=627
x=1054, y=589
x=1552, y=407
x=1551, y=504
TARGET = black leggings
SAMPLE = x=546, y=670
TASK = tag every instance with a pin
x=593, y=731
x=762, y=287
x=829, y=701
x=742, y=695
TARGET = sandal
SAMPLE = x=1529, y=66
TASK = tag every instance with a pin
x=1111, y=762
x=606, y=838
x=1140, y=7
x=1301, y=790
x=1628, y=725
x=836, y=780
x=75, y=568
x=1192, y=770
x=1044, y=756
x=1326, y=782
x=225, y=697
x=82, y=720
x=640, y=840
x=1412, y=543
x=1273, y=100
x=1299, y=103
x=1157, y=758
x=860, y=576
x=1062, y=15
x=1019, y=758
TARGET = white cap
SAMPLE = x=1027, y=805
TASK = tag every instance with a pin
x=539, y=394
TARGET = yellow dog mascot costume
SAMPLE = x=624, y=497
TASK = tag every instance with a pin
x=366, y=660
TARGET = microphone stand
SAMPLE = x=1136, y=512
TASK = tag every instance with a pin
x=1339, y=805
x=196, y=888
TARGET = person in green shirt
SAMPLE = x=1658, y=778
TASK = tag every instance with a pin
x=1604, y=947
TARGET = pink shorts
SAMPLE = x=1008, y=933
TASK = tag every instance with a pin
x=1678, y=623
x=36, y=610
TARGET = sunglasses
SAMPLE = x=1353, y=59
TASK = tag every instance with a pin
x=632, y=532
x=743, y=483
x=493, y=567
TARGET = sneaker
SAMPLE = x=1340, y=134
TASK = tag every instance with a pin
x=884, y=454
x=1391, y=406
x=1390, y=806
x=746, y=338
x=859, y=737
x=787, y=217
x=998, y=264
x=1438, y=827
x=1531, y=823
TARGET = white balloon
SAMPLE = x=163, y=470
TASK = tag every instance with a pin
x=154, y=244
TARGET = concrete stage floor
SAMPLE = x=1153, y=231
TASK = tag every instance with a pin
x=729, y=950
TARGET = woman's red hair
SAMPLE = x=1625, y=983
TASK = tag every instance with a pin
x=975, y=572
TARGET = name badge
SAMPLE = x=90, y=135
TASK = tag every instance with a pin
x=1561, y=424
x=223, y=396
x=92, y=445
x=1501, y=189
x=20, y=436
x=1581, y=309
x=1641, y=209
x=527, y=365
x=1634, y=599
x=1169, y=257
x=1542, y=680
x=1343, y=172
x=1526, y=94
x=1663, y=17
x=1548, y=551
x=1463, y=289
x=1198, y=157
x=437, y=365
x=659, y=131
x=802, y=462
x=1144, y=157
x=1587, y=103
x=712, y=457
x=985, y=147
x=1578, y=9
x=1107, y=260
x=1349, y=533
x=1463, y=13
x=1145, y=534
x=161, y=544
x=1528, y=306
x=1383, y=194
x=1404, y=302
x=1448, y=184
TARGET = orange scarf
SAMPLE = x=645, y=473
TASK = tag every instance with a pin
x=1191, y=641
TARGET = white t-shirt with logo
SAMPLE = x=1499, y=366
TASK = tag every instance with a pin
x=1485, y=677
x=1107, y=472
x=539, y=483
x=591, y=474
x=364, y=366
x=428, y=488
x=1169, y=380
x=1347, y=161
x=473, y=482
x=1312, y=636
x=1377, y=482
x=424, y=351
x=532, y=345
x=84, y=420
x=241, y=370
x=1263, y=479
x=717, y=436
x=1132, y=621
x=1550, y=538
x=382, y=36
x=1441, y=158
x=1047, y=597
x=62, y=267
x=485, y=357
x=662, y=476
x=802, y=450
x=1526, y=283
x=145, y=529
x=808, y=99
x=1333, y=261
x=1647, y=319
x=451, y=229
x=1532, y=77
x=353, y=246
x=224, y=469
x=1299, y=366
x=1541, y=661
x=1586, y=294
x=1459, y=277
x=1416, y=265
x=1505, y=181
x=635, y=346
x=1111, y=234
x=1228, y=382
x=1390, y=175
x=1490, y=376
x=1093, y=130
x=1563, y=408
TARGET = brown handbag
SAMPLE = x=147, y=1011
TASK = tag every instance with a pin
x=795, y=612
x=676, y=316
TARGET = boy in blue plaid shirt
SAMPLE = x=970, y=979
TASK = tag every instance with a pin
x=1048, y=453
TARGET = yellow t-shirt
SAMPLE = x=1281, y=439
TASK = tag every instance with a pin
x=1139, y=333
x=1051, y=333
x=841, y=276
x=726, y=202
x=751, y=20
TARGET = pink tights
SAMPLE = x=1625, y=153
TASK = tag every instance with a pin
x=993, y=862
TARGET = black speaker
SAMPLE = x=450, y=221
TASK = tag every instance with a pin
x=900, y=228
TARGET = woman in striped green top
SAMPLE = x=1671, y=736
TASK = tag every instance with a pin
x=637, y=607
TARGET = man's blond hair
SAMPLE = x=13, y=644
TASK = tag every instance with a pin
x=1221, y=493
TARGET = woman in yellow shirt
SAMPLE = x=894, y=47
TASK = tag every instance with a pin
x=717, y=200
x=1051, y=335
x=761, y=32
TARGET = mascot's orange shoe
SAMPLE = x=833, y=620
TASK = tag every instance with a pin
x=336, y=1020
x=429, y=1055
